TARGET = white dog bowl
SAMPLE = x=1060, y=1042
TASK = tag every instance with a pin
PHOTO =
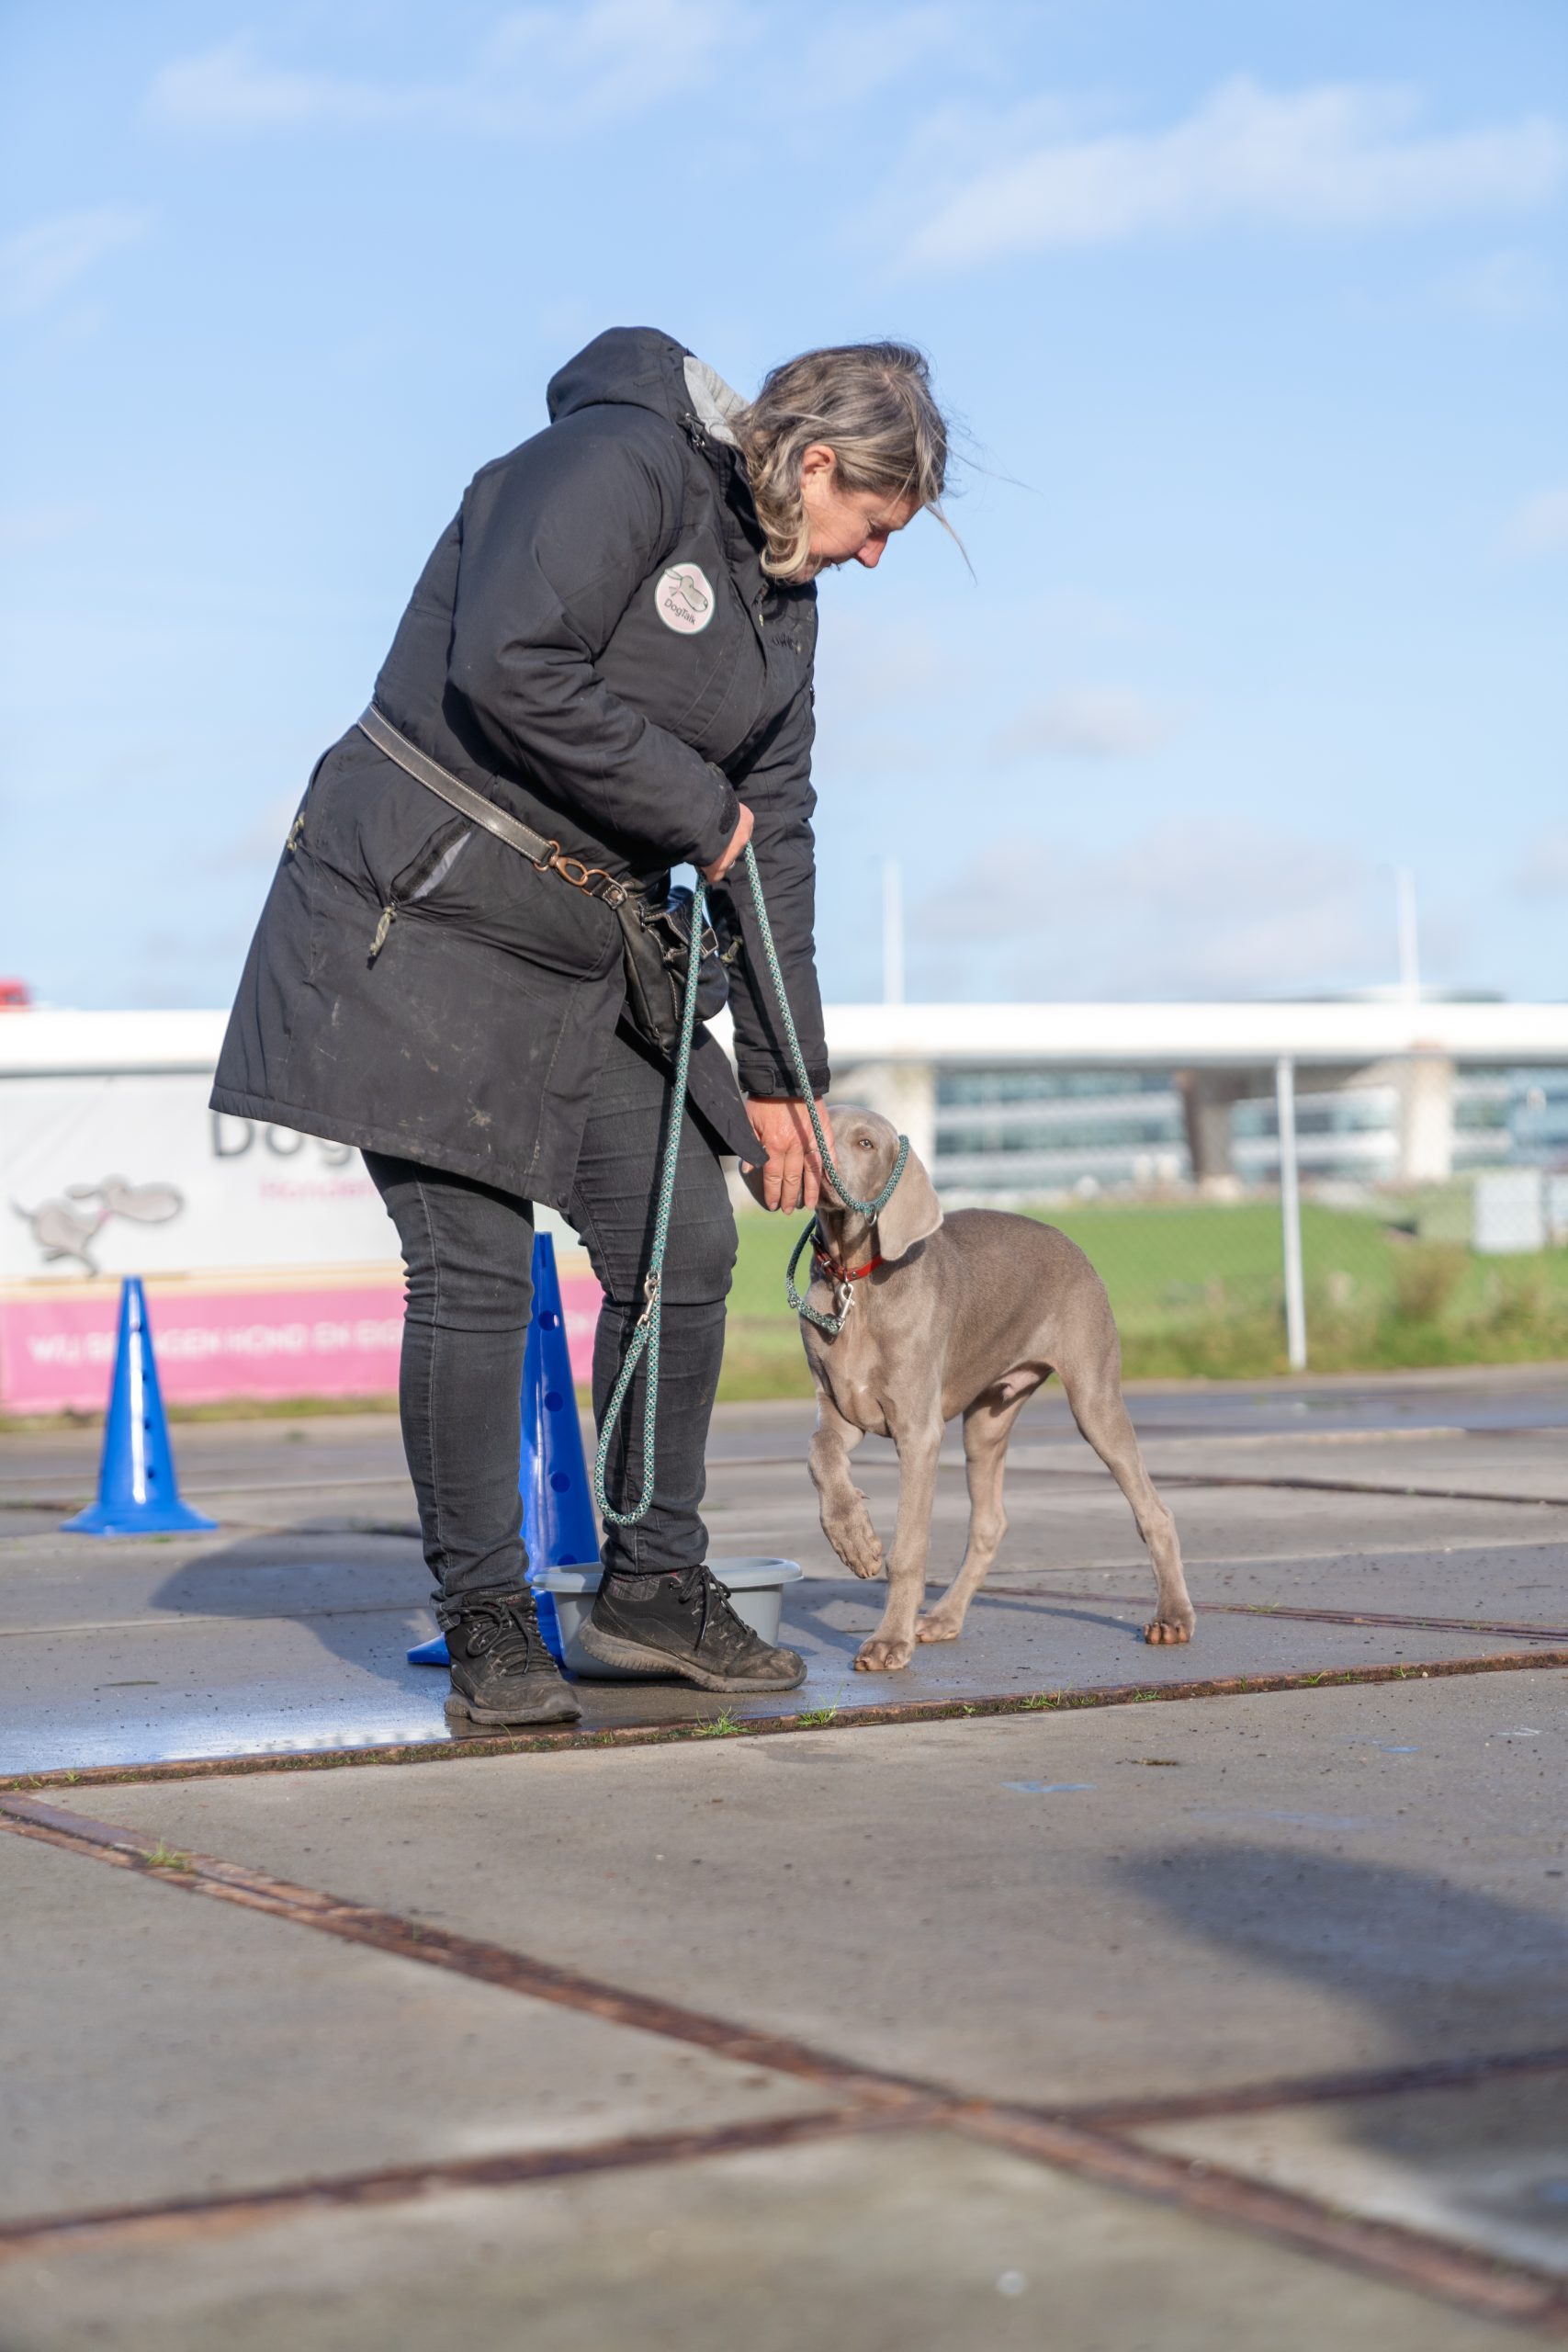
x=566, y=1596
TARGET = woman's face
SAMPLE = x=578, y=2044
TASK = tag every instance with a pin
x=847, y=525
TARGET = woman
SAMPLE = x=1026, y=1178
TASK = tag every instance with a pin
x=613, y=644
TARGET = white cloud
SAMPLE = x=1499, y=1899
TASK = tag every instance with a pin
x=29, y=527
x=543, y=69
x=1201, y=909
x=1346, y=155
x=1079, y=613
x=882, y=664
x=851, y=58
x=1539, y=525
x=1505, y=286
x=619, y=57
x=878, y=687
x=1094, y=722
x=1542, y=872
x=232, y=88
x=40, y=263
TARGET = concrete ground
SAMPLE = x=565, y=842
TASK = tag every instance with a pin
x=1058, y=1991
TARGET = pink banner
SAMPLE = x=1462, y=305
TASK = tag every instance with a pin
x=216, y=1342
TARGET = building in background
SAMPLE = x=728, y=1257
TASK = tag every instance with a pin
x=1046, y=1132
x=271, y=1266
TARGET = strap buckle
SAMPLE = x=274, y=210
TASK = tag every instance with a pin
x=581, y=875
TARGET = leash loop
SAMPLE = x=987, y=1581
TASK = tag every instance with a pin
x=844, y=1295
x=802, y=1079
x=831, y=1324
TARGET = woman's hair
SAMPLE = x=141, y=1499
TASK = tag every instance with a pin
x=871, y=404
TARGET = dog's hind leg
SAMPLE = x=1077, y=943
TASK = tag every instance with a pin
x=846, y=1521
x=1094, y=1392
x=987, y=1425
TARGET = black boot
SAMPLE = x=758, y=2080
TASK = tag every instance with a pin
x=502, y=1672
x=682, y=1625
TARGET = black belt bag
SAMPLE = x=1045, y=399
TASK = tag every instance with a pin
x=655, y=947
x=656, y=935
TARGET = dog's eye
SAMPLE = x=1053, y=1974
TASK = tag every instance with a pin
x=863, y=1143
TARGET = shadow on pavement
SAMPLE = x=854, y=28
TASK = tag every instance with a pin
x=359, y=1596
x=1448, y=1972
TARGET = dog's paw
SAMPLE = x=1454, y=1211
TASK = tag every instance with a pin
x=858, y=1544
x=883, y=1654
x=1162, y=1630
x=938, y=1626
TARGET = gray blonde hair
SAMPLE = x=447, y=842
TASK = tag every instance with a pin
x=873, y=405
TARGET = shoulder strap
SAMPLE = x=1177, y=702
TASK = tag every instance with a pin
x=452, y=790
x=546, y=857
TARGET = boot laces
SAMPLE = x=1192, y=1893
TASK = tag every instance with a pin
x=698, y=1584
x=504, y=1631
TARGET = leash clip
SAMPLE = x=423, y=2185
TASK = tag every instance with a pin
x=650, y=1294
x=582, y=876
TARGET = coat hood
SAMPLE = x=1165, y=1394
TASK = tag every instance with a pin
x=639, y=367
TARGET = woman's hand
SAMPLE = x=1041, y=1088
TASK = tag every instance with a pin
x=732, y=849
x=793, y=1176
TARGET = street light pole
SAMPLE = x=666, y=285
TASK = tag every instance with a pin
x=892, y=932
x=1290, y=1213
x=1409, y=937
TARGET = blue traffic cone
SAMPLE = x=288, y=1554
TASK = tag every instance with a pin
x=138, y=1492
x=558, y=1523
x=560, y=1526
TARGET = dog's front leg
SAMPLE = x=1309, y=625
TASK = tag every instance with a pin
x=893, y=1644
x=846, y=1521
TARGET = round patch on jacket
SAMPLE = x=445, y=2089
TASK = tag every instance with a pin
x=685, y=599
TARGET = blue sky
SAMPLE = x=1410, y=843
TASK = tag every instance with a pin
x=1254, y=316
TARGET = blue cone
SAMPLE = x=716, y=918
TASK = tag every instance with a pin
x=558, y=1523
x=138, y=1492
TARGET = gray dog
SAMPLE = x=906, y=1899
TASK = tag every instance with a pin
x=967, y=1315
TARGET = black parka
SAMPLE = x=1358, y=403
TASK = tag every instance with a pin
x=593, y=644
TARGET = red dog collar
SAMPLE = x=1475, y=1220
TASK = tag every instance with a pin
x=843, y=1273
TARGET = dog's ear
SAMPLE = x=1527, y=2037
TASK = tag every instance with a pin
x=912, y=1215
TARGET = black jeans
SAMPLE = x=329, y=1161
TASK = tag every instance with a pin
x=468, y=1251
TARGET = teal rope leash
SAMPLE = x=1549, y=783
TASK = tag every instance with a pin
x=831, y=1324
x=645, y=1336
x=797, y=1059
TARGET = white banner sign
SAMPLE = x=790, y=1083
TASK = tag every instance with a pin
x=134, y=1174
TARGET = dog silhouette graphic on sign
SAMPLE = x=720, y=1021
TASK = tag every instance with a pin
x=61, y=1228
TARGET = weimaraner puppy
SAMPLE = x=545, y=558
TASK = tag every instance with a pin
x=969, y=1314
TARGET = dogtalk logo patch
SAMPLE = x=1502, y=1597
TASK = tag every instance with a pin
x=685, y=599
